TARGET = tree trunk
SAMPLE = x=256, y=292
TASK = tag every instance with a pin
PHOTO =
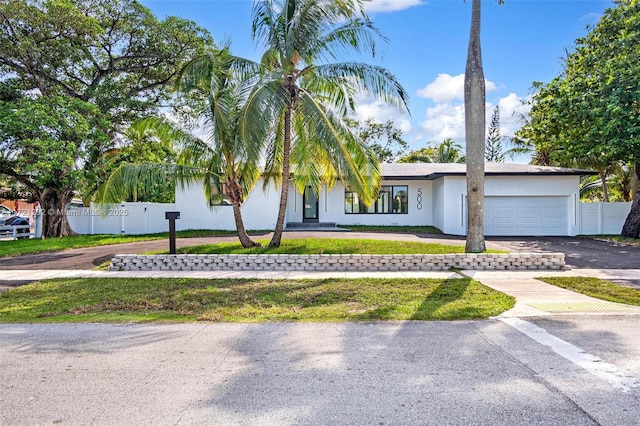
x=635, y=181
x=55, y=222
x=236, y=202
x=605, y=187
x=631, y=228
x=284, y=191
x=244, y=238
x=475, y=127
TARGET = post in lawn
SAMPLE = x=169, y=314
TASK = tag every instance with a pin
x=171, y=217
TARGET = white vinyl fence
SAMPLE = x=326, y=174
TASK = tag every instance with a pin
x=125, y=218
x=603, y=218
x=149, y=218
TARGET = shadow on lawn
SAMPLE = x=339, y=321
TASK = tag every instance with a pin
x=448, y=292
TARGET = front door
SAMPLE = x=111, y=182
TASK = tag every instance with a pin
x=310, y=200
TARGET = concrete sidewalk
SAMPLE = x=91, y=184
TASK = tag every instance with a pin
x=534, y=297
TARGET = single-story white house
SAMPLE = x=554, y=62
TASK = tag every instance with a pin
x=521, y=200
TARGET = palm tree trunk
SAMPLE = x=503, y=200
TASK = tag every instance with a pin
x=234, y=190
x=244, y=238
x=474, y=106
x=631, y=228
x=284, y=191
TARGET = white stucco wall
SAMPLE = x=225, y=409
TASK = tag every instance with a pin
x=443, y=204
x=454, y=190
x=258, y=212
x=438, y=203
x=331, y=207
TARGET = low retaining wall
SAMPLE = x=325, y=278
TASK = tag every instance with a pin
x=336, y=262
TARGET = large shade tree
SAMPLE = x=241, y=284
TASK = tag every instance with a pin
x=308, y=94
x=41, y=141
x=112, y=54
x=384, y=138
x=591, y=111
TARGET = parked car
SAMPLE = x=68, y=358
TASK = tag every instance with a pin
x=10, y=218
x=15, y=221
x=6, y=212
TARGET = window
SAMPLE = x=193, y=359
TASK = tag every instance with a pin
x=218, y=199
x=392, y=200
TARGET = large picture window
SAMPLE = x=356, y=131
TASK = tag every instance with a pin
x=220, y=200
x=392, y=200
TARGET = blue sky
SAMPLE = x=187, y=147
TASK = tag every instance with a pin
x=523, y=41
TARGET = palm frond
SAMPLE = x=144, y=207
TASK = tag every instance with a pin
x=364, y=78
x=339, y=153
x=132, y=179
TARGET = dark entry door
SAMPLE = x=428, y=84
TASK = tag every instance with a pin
x=310, y=199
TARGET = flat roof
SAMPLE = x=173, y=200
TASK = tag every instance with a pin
x=430, y=171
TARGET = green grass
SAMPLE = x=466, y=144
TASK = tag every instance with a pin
x=394, y=229
x=250, y=300
x=597, y=288
x=328, y=246
x=33, y=246
x=614, y=239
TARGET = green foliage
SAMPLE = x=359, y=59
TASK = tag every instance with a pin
x=34, y=246
x=112, y=53
x=250, y=300
x=590, y=113
x=225, y=164
x=614, y=184
x=384, y=139
x=105, y=63
x=329, y=246
x=598, y=288
x=306, y=103
x=445, y=152
x=493, y=150
x=43, y=139
x=144, y=147
x=592, y=109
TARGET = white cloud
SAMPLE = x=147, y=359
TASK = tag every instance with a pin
x=446, y=120
x=389, y=5
x=447, y=88
x=381, y=112
x=512, y=110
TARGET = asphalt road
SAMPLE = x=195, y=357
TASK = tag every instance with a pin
x=404, y=373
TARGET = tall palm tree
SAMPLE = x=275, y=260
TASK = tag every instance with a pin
x=474, y=124
x=309, y=102
x=225, y=164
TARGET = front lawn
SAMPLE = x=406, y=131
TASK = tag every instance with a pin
x=250, y=300
x=328, y=246
x=598, y=288
x=33, y=246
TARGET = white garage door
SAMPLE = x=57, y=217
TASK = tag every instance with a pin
x=526, y=216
